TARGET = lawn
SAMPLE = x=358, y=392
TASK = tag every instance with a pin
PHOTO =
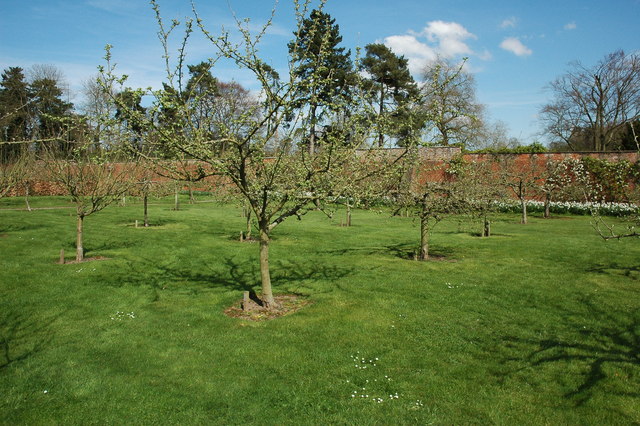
x=538, y=324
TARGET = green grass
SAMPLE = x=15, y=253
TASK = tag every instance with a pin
x=538, y=324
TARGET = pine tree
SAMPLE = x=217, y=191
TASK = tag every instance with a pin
x=391, y=85
x=14, y=117
x=325, y=70
x=49, y=112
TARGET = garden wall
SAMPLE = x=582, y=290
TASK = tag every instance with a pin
x=431, y=164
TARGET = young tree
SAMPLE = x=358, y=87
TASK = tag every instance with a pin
x=562, y=177
x=477, y=181
x=266, y=158
x=521, y=175
x=93, y=179
x=364, y=181
x=13, y=171
x=430, y=197
x=594, y=103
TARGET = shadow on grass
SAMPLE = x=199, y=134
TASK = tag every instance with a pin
x=93, y=248
x=402, y=250
x=410, y=251
x=21, y=336
x=607, y=354
x=228, y=273
x=615, y=268
x=18, y=227
x=493, y=235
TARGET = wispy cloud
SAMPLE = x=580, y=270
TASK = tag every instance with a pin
x=570, y=26
x=509, y=22
x=515, y=46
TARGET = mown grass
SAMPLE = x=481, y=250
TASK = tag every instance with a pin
x=538, y=324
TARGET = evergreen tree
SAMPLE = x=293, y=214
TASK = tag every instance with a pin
x=50, y=112
x=325, y=71
x=392, y=88
x=201, y=93
x=14, y=116
x=128, y=108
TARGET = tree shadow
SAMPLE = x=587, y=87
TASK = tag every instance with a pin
x=19, y=227
x=97, y=247
x=614, y=342
x=493, y=235
x=22, y=336
x=410, y=252
x=406, y=251
x=154, y=222
x=615, y=268
x=228, y=273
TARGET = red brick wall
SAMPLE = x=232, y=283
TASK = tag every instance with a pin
x=432, y=164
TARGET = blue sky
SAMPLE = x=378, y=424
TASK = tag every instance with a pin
x=514, y=47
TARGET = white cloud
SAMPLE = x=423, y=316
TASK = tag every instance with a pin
x=437, y=38
x=418, y=53
x=515, y=46
x=450, y=37
x=570, y=26
x=509, y=22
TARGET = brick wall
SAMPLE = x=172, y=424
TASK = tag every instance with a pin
x=431, y=161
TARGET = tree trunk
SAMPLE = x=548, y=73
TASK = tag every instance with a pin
x=424, y=239
x=26, y=196
x=635, y=137
x=380, y=112
x=267, y=294
x=145, y=203
x=523, y=205
x=312, y=136
x=191, y=199
x=348, y=214
x=547, y=206
x=486, y=231
x=248, y=216
x=176, y=199
x=79, y=248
